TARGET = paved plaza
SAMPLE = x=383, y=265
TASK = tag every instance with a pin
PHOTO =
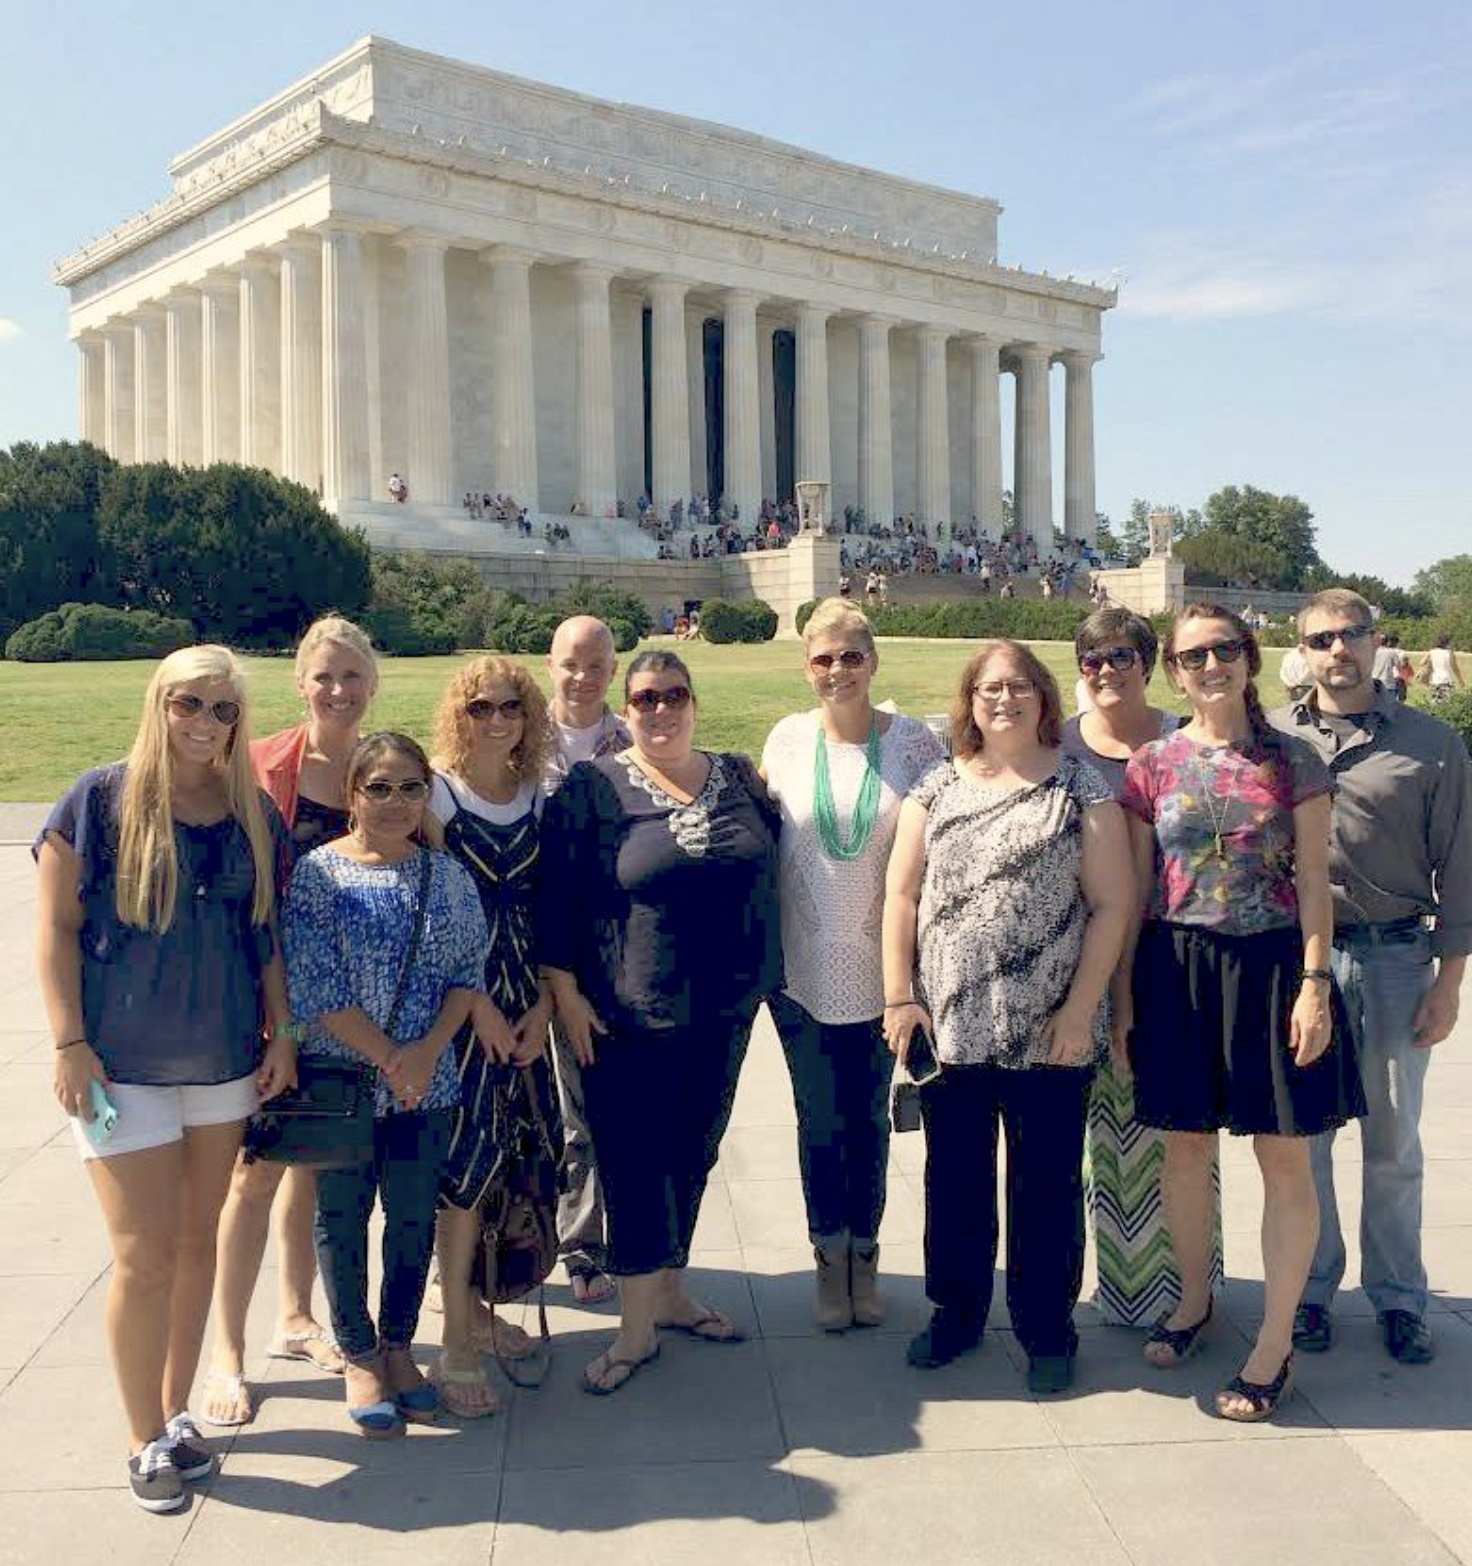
x=788, y=1449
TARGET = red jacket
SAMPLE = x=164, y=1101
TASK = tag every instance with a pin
x=277, y=760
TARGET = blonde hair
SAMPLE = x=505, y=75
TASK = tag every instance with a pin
x=454, y=733
x=148, y=859
x=333, y=630
x=841, y=615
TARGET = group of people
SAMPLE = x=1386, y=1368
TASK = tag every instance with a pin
x=1065, y=930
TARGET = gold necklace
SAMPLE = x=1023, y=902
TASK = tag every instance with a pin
x=1218, y=824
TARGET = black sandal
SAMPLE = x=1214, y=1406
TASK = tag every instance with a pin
x=1181, y=1341
x=1263, y=1395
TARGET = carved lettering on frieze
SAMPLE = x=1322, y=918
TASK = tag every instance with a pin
x=605, y=219
x=677, y=235
x=521, y=202
x=822, y=266
x=749, y=249
x=886, y=278
x=434, y=182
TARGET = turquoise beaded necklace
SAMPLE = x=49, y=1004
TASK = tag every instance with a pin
x=866, y=810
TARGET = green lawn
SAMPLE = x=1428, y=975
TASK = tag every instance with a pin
x=56, y=720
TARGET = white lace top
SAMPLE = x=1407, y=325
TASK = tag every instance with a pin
x=832, y=909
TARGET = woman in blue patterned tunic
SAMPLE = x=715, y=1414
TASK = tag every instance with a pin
x=491, y=741
x=349, y=923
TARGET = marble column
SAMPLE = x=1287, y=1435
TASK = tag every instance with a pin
x=301, y=361
x=219, y=369
x=814, y=446
x=695, y=320
x=669, y=387
x=743, y=431
x=117, y=390
x=1079, y=508
x=1033, y=497
x=344, y=369
x=597, y=475
x=260, y=351
x=933, y=427
x=181, y=376
x=431, y=474
x=513, y=378
x=150, y=397
x=766, y=389
x=986, y=434
x=876, y=440
x=92, y=388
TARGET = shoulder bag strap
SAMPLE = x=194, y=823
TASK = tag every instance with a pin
x=421, y=911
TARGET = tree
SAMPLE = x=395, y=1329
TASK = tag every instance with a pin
x=1375, y=590
x=1275, y=528
x=1106, y=542
x=1448, y=584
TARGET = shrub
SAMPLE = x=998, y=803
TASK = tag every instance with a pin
x=1024, y=619
x=744, y=620
x=422, y=606
x=805, y=613
x=94, y=633
x=608, y=603
x=1455, y=710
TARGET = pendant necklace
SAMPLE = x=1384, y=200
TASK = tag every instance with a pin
x=1218, y=823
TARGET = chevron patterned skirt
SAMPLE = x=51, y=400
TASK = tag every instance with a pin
x=1138, y=1282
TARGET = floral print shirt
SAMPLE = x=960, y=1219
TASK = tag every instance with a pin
x=1223, y=821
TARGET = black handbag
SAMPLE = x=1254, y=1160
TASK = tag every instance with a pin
x=326, y=1120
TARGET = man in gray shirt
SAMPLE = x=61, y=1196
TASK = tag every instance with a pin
x=1401, y=869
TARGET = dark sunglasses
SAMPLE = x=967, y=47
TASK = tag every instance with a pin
x=1194, y=658
x=651, y=700
x=1322, y=641
x=223, y=712
x=1118, y=658
x=484, y=707
x=850, y=658
x=412, y=789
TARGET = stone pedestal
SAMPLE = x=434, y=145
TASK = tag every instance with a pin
x=812, y=572
x=1156, y=586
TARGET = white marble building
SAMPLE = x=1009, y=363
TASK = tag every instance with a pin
x=407, y=264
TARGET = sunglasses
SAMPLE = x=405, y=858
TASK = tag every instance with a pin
x=675, y=697
x=412, y=790
x=1117, y=658
x=1194, y=658
x=1322, y=641
x=226, y=713
x=849, y=658
x=995, y=690
x=484, y=707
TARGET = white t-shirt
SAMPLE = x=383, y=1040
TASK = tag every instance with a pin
x=578, y=744
x=1386, y=667
x=451, y=792
x=832, y=909
x=1443, y=668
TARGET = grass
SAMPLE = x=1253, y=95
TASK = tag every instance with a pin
x=57, y=720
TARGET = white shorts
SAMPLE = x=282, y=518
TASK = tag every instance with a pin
x=155, y=1116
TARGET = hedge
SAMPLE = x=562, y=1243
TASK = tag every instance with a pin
x=1455, y=709
x=94, y=633
x=744, y=620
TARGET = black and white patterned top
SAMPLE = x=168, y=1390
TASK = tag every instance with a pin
x=1002, y=911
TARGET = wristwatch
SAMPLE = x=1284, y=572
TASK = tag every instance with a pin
x=295, y=1031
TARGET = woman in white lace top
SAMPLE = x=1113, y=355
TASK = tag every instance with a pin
x=839, y=774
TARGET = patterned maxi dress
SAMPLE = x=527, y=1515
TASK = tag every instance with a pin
x=495, y=1121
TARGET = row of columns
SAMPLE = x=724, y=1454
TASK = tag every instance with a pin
x=269, y=365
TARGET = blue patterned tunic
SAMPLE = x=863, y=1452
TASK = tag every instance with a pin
x=346, y=929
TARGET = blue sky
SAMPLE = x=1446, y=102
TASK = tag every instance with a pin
x=1283, y=192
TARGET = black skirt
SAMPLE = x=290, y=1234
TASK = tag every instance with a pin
x=1210, y=1048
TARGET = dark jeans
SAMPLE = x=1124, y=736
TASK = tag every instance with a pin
x=1043, y=1110
x=408, y=1158
x=840, y=1085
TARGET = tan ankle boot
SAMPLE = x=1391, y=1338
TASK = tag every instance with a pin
x=833, y=1308
x=868, y=1308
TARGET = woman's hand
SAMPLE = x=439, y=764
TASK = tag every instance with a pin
x=76, y=1068
x=530, y=1033
x=1121, y=1025
x=1070, y=1037
x=278, y=1066
x=411, y=1071
x=579, y=1021
x=901, y=1021
x=492, y=1029
x=1310, y=1027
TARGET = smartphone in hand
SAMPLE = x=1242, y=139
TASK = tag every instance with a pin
x=104, y=1119
x=921, y=1062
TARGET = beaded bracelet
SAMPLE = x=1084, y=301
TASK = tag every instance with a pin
x=1321, y=974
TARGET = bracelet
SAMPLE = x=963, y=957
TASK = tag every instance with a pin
x=895, y=1005
x=1322, y=975
x=72, y=1043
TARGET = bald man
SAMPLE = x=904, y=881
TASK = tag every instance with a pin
x=582, y=663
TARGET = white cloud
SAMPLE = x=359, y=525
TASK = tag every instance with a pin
x=9, y=330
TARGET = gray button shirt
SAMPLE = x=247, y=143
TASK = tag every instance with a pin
x=1401, y=842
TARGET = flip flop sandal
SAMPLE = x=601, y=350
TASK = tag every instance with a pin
x=447, y=1379
x=1264, y=1396
x=630, y=1367
x=1182, y=1342
x=293, y=1345
x=724, y=1329
x=506, y=1339
x=593, y=1288
x=236, y=1390
x=379, y=1421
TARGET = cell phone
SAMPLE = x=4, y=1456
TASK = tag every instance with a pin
x=921, y=1062
x=104, y=1119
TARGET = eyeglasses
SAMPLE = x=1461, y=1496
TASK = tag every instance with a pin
x=675, y=697
x=1194, y=658
x=484, y=707
x=226, y=713
x=1118, y=658
x=1322, y=641
x=411, y=789
x=849, y=658
x=995, y=690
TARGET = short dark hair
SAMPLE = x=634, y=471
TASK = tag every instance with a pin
x=1112, y=626
x=658, y=660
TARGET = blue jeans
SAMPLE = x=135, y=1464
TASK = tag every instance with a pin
x=1383, y=973
x=840, y=1085
x=408, y=1159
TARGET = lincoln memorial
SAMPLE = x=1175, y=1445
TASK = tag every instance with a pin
x=407, y=265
